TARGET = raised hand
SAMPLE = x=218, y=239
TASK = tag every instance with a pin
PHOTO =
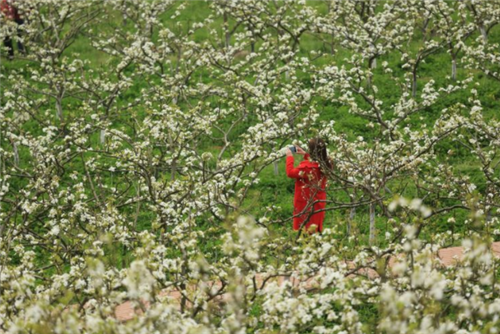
x=300, y=150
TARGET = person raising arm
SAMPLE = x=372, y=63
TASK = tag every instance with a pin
x=310, y=183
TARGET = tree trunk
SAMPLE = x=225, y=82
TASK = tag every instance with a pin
x=59, y=110
x=276, y=171
x=414, y=85
x=374, y=63
x=350, y=220
x=454, y=68
x=484, y=33
x=372, y=224
x=102, y=136
x=16, y=154
x=173, y=167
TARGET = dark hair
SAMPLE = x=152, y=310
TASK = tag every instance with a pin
x=317, y=150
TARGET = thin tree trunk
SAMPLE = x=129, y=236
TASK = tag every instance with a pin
x=414, y=85
x=372, y=224
x=484, y=33
x=102, y=136
x=183, y=286
x=137, y=207
x=374, y=63
x=454, y=68
x=2, y=228
x=276, y=171
x=173, y=168
x=16, y=154
x=352, y=214
x=59, y=110
x=124, y=256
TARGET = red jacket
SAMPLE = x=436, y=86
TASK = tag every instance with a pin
x=310, y=186
x=9, y=10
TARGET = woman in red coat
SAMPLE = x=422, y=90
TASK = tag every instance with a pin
x=310, y=183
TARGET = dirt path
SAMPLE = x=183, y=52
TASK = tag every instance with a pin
x=448, y=256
